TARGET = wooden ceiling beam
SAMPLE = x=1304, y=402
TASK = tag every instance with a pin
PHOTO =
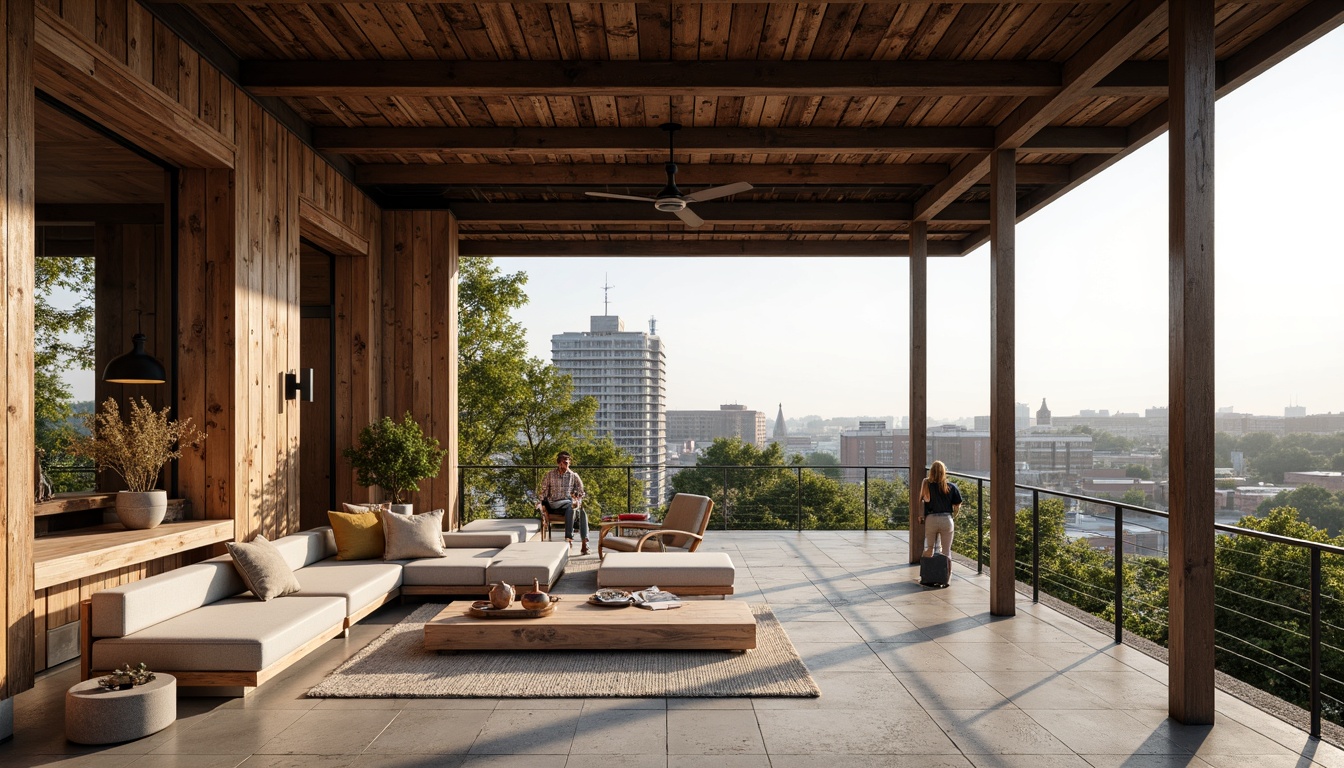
x=651, y=141
x=769, y=212
x=895, y=246
x=99, y=213
x=381, y=79
x=1136, y=25
x=686, y=2
x=648, y=174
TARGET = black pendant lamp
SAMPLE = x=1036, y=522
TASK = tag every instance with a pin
x=136, y=366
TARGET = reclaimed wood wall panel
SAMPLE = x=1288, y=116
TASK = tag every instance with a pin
x=419, y=329
x=17, y=239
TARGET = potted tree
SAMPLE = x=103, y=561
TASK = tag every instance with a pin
x=137, y=450
x=395, y=457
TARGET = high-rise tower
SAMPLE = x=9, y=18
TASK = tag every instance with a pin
x=626, y=372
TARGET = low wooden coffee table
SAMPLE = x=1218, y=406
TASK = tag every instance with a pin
x=722, y=625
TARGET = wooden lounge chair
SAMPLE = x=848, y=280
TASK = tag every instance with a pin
x=682, y=529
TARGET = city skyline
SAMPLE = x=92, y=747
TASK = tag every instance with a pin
x=830, y=336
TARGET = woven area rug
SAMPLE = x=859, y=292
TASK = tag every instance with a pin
x=396, y=666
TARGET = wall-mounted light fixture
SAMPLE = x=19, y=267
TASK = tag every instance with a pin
x=136, y=366
x=299, y=386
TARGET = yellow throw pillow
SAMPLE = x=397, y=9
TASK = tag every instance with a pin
x=359, y=535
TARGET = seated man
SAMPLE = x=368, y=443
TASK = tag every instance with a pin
x=562, y=493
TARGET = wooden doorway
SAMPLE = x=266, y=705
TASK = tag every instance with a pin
x=317, y=420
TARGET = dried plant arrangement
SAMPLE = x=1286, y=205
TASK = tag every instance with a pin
x=127, y=677
x=136, y=449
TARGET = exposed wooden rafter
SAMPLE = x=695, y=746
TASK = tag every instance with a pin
x=896, y=246
x=1137, y=24
x=550, y=141
x=714, y=213
x=649, y=174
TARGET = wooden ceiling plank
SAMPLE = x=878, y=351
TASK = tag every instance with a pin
x=729, y=212
x=893, y=246
x=650, y=78
x=509, y=140
x=588, y=174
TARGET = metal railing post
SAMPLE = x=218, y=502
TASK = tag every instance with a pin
x=1315, y=643
x=1035, y=546
x=1119, y=574
x=629, y=489
x=461, y=495
x=800, y=498
x=865, y=499
x=979, y=525
x=725, y=498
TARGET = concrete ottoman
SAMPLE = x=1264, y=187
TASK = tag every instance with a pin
x=683, y=573
x=520, y=563
x=97, y=715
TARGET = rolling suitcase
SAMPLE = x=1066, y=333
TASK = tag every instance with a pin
x=935, y=571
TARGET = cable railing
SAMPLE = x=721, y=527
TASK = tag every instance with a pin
x=1279, y=621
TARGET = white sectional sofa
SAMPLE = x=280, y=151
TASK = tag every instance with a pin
x=201, y=624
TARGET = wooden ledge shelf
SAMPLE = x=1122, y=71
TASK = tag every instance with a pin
x=78, y=502
x=73, y=555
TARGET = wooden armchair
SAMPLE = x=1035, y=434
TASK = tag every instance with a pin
x=682, y=529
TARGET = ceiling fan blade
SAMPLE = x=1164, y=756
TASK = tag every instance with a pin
x=689, y=218
x=620, y=197
x=713, y=192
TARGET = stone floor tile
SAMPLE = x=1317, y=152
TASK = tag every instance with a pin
x=951, y=690
x=621, y=732
x=430, y=732
x=1028, y=761
x=721, y=732
x=888, y=632
x=603, y=705
x=527, y=732
x=706, y=703
x=869, y=761
x=517, y=761
x=853, y=732
x=917, y=657
x=1001, y=731
x=100, y=760
x=994, y=657
x=300, y=761
x=1105, y=732
x=328, y=704
x=1148, y=761
x=574, y=704
x=330, y=732
x=847, y=690
x=718, y=761
x=820, y=632
x=1038, y=690
x=486, y=704
x=1225, y=737
x=229, y=731
x=188, y=761
x=1121, y=689
x=408, y=761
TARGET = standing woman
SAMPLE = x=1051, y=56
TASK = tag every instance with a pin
x=942, y=500
x=562, y=491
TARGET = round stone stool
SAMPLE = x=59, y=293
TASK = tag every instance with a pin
x=97, y=715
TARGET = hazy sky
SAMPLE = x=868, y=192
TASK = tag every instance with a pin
x=830, y=336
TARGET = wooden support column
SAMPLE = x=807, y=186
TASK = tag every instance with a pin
x=17, y=234
x=919, y=378
x=1002, y=373
x=1191, y=370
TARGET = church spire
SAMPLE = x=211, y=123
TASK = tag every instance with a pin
x=781, y=430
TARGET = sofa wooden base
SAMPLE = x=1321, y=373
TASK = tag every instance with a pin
x=350, y=621
x=481, y=589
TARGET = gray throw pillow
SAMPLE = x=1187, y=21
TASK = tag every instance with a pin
x=413, y=536
x=370, y=507
x=263, y=568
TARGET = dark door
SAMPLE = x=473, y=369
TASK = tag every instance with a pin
x=317, y=421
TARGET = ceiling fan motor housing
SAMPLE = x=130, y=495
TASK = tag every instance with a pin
x=670, y=204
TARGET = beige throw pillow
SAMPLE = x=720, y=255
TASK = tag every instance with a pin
x=263, y=568
x=413, y=536
x=370, y=507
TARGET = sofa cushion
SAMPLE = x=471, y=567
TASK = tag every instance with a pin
x=457, y=568
x=528, y=560
x=263, y=568
x=666, y=569
x=306, y=547
x=413, y=536
x=522, y=528
x=235, y=634
x=361, y=583
x=359, y=535
x=132, y=607
x=371, y=506
x=479, y=540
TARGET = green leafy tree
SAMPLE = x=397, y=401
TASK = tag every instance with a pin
x=1314, y=504
x=607, y=491
x=549, y=417
x=395, y=456
x=1134, y=497
x=889, y=500
x=1139, y=471
x=492, y=360
x=1270, y=465
x=818, y=459
x=62, y=341
x=1337, y=462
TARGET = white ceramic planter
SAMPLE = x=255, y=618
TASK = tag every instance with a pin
x=403, y=509
x=139, y=510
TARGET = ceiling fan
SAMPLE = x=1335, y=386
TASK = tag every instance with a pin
x=670, y=199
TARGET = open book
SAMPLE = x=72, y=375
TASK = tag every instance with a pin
x=655, y=599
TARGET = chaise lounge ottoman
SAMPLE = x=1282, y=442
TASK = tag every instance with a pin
x=683, y=573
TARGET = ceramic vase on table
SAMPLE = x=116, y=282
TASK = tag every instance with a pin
x=141, y=509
